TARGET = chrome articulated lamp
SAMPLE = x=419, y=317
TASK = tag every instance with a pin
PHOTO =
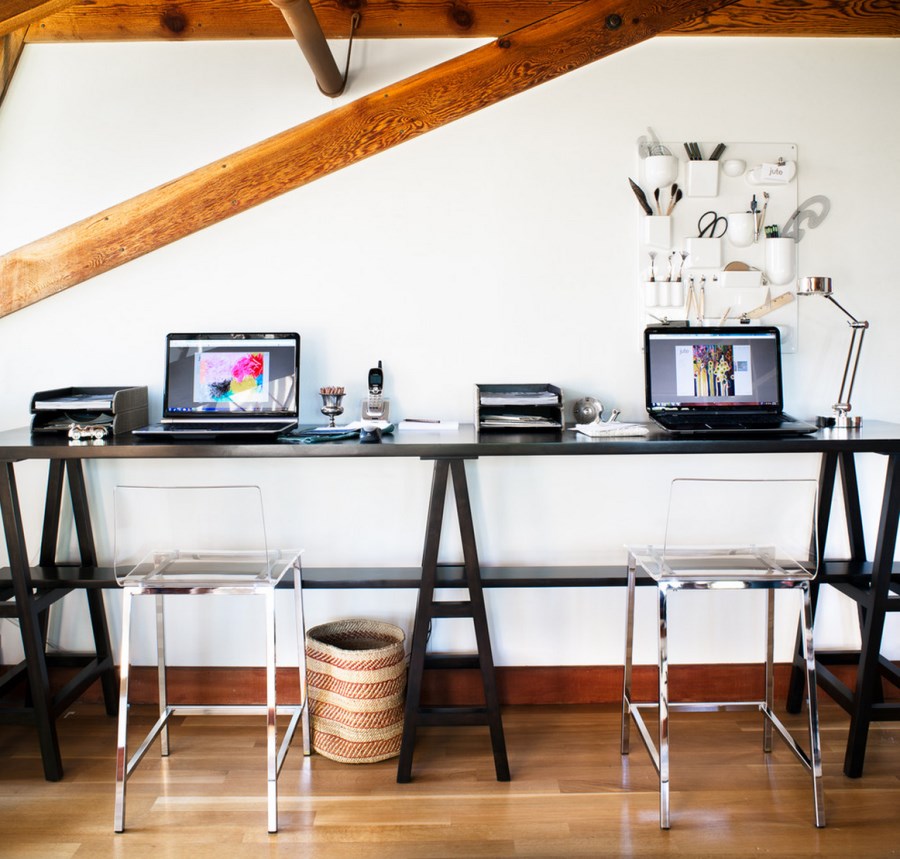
x=841, y=417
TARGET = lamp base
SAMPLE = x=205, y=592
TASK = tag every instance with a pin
x=842, y=421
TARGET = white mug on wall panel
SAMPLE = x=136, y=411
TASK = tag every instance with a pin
x=660, y=171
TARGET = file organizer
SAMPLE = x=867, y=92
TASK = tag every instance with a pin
x=119, y=409
x=519, y=408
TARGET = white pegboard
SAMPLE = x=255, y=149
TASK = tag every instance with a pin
x=706, y=186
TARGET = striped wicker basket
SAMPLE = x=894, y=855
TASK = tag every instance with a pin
x=356, y=674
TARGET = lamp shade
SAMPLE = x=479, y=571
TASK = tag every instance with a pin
x=814, y=286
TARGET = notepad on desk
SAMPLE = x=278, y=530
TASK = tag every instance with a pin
x=427, y=425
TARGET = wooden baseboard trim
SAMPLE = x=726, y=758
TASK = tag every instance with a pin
x=568, y=684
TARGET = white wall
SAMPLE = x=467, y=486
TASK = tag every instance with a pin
x=500, y=248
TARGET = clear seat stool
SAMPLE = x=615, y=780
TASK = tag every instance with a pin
x=729, y=535
x=193, y=541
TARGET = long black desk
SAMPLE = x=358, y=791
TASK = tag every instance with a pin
x=27, y=591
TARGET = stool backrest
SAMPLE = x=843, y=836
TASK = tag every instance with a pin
x=772, y=520
x=188, y=534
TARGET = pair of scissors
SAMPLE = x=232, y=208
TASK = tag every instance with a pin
x=709, y=223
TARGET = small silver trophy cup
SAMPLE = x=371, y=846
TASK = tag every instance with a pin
x=332, y=403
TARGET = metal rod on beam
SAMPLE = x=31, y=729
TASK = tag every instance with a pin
x=308, y=32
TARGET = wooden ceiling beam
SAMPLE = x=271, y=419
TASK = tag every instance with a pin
x=121, y=20
x=11, y=45
x=18, y=14
x=461, y=86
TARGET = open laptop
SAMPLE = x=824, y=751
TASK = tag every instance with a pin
x=220, y=385
x=714, y=381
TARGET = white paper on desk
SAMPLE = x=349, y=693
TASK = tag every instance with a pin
x=433, y=426
x=611, y=429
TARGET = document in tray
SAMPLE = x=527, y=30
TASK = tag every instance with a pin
x=74, y=402
x=520, y=398
x=506, y=420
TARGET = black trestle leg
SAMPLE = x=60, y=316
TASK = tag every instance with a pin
x=428, y=610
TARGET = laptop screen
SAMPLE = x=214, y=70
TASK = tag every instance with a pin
x=729, y=368
x=232, y=375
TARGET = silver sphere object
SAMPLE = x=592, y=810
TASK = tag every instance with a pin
x=587, y=410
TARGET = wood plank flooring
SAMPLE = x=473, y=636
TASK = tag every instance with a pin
x=571, y=793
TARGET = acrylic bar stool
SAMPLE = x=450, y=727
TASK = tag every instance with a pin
x=729, y=535
x=199, y=541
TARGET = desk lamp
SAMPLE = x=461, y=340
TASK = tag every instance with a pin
x=841, y=417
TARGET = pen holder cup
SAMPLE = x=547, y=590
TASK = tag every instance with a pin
x=780, y=255
x=660, y=171
x=657, y=229
x=702, y=178
x=741, y=229
x=676, y=293
x=703, y=253
x=651, y=293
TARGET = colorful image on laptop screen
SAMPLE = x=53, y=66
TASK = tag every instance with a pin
x=232, y=374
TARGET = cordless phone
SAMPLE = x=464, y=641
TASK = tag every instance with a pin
x=375, y=406
x=375, y=403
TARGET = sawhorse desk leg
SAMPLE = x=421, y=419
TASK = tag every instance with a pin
x=428, y=609
x=865, y=703
x=30, y=626
x=42, y=706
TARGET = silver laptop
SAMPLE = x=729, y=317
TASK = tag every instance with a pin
x=229, y=385
x=715, y=381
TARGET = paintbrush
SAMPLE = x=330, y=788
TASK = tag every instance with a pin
x=641, y=197
x=656, y=197
x=674, y=201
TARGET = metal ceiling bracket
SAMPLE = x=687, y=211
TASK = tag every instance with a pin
x=306, y=29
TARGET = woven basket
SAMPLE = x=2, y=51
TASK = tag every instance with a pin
x=356, y=676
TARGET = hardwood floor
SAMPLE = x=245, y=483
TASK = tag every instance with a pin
x=571, y=793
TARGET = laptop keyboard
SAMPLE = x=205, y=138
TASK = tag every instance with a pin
x=235, y=426
x=724, y=421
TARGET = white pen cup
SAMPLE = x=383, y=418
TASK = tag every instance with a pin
x=657, y=231
x=780, y=255
x=741, y=229
x=676, y=293
x=651, y=293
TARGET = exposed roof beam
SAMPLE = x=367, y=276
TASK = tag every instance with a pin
x=10, y=48
x=379, y=121
x=99, y=20
x=16, y=14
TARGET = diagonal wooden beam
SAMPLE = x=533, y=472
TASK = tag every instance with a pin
x=16, y=14
x=11, y=46
x=122, y=20
x=511, y=65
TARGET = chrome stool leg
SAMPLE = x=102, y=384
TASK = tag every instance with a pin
x=161, y=677
x=300, y=626
x=770, y=668
x=629, y=644
x=815, y=750
x=122, y=731
x=663, y=709
x=271, y=739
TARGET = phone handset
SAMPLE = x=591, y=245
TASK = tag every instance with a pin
x=375, y=406
x=376, y=389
